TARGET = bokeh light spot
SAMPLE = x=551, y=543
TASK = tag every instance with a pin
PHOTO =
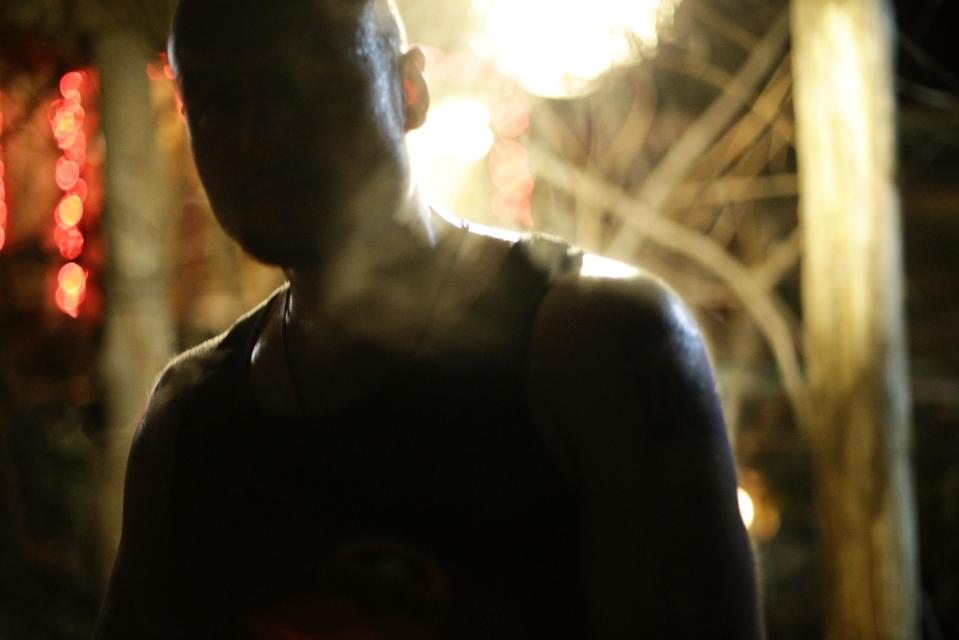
x=69, y=242
x=70, y=83
x=71, y=278
x=456, y=129
x=69, y=211
x=746, y=509
x=555, y=48
x=67, y=173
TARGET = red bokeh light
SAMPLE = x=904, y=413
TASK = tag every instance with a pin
x=71, y=278
x=67, y=173
x=67, y=121
x=518, y=210
x=70, y=84
x=80, y=189
x=69, y=242
x=71, y=288
x=3, y=214
x=509, y=169
x=69, y=303
x=3, y=237
x=69, y=211
x=75, y=148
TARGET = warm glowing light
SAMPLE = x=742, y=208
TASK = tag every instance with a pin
x=3, y=190
x=69, y=211
x=513, y=209
x=509, y=169
x=601, y=267
x=67, y=173
x=69, y=303
x=456, y=129
x=511, y=119
x=80, y=189
x=70, y=84
x=746, y=509
x=71, y=277
x=69, y=242
x=67, y=120
x=555, y=48
x=76, y=148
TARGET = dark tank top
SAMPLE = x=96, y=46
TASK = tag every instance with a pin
x=430, y=507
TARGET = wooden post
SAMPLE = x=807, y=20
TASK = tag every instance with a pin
x=859, y=418
x=138, y=324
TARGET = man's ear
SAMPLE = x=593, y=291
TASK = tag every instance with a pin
x=416, y=94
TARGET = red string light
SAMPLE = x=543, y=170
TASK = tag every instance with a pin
x=509, y=165
x=66, y=121
x=3, y=188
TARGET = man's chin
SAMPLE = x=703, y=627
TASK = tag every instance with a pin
x=285, y=254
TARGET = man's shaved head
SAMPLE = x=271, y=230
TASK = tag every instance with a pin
x=206, y=23
x=296, y=112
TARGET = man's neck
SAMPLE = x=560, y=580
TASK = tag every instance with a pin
x=377, y=283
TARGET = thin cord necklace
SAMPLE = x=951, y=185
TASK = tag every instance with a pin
x=285, y=320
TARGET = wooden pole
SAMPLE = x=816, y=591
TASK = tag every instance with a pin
x=138, y=324
x=859, y=421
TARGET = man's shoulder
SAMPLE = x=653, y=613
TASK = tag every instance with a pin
x=606, y=303
x=183, y=382
x=614, y=337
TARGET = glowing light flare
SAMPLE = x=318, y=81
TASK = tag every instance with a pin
x=72, y=278
x=457, y=129
x=66, y=173
x=70, y=84
x=511, y=119
x=746, y=509
x=579, y=39
x=69, y=242
x=66, y=120
x=509, y=169
x=69, y=303
x=513, y=210
x=75, y=148
x=79, y=189
x=69, y=212
x=602, y=267
x=3, y=190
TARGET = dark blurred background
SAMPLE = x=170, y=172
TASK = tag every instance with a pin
x=509, y=146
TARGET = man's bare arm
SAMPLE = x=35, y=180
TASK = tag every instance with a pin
x=140, y=600
x=622, y=384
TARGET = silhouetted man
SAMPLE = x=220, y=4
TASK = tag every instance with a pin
x=430, y=432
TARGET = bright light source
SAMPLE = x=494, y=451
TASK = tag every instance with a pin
x=746, y=509
x=456, y=129
x=601, y=267
x=444, y=151
x=72, y=278
x=69, y=211
x=555, y=48
x=67, y=173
